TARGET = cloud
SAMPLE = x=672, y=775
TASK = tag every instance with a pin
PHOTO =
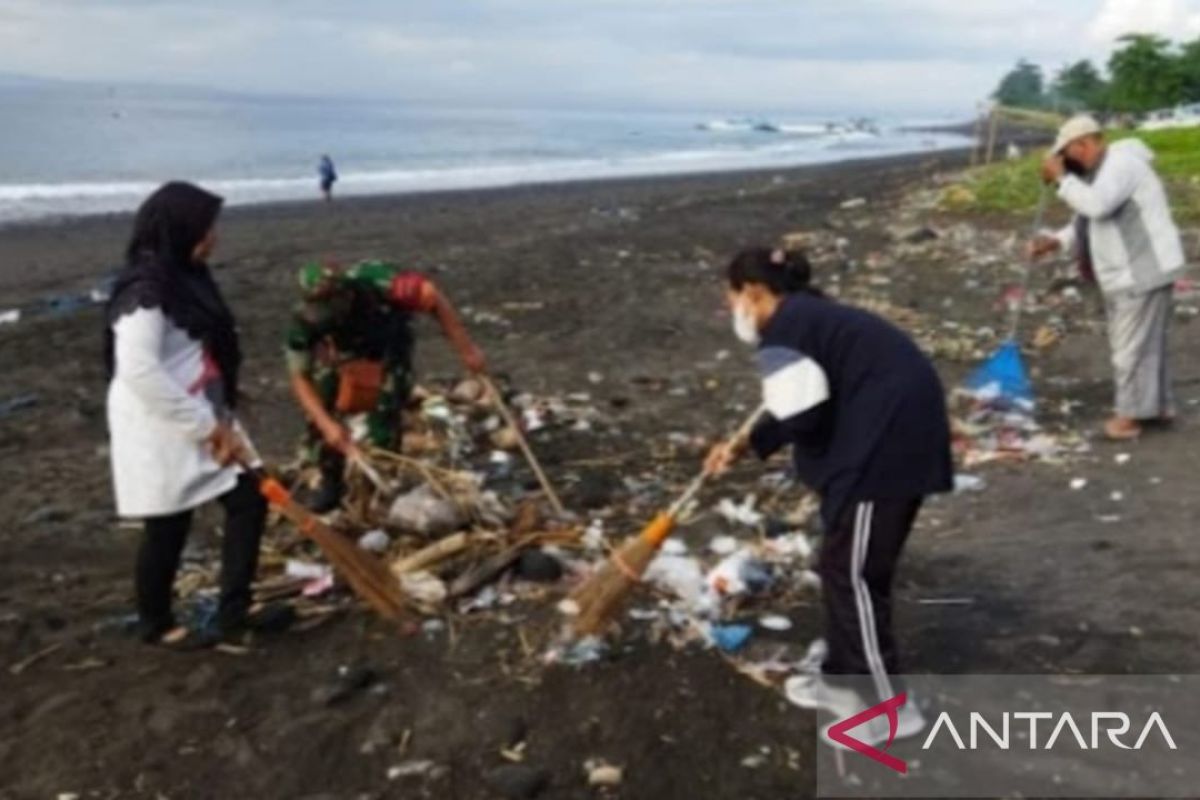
x=1171, y=18
x=728, y=55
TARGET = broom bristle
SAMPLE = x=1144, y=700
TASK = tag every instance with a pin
x=601, y=596
x=368, y=577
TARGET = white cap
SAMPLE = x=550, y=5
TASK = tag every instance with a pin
x=1076, y=128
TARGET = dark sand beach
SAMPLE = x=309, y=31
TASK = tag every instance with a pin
x=616, y=278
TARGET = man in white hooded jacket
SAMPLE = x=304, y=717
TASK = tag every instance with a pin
x=1127, y=241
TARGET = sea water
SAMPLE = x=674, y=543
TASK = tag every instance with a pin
x=70, y=149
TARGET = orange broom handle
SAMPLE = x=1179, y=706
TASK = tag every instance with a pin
x=275, y=492
x=659, y=529
x=698, y=483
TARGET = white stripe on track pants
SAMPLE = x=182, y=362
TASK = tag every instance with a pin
x=858, y=562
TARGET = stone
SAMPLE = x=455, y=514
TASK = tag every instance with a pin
x=517, y=781
x=537, y=566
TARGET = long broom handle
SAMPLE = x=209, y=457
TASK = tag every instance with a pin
x=509, y=420
x=1014, y=322
x=365, y=467
x=698, y=482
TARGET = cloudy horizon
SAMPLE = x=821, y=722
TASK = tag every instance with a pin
x=877, y=56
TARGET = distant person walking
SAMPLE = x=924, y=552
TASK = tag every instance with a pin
x=328, y=177
x=1127, y=242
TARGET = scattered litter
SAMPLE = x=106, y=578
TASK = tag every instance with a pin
x=18, y=403
x=307, y=570
x=593, y=536
x=969, y=483
x=423, y=587
x=740, y=514
x=1122, y=459
x=375, y=541
x=318, y=586
x=601, y=773
x=533, y=420
x=857, y=202
x=10, y=316
x=723, y=545
x=775, y=622
x=1117, y=497
x=1078, y=484
x=579, y=652
x=410, y=769
x=680, y=575
x=470, y=390
x=754, y=761
x=423, y=511
x=739, y=573
x=988, y=427
x=791, y=546
x=730, y=638
x=674, y=547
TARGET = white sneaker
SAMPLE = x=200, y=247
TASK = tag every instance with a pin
x=876, y=732
x=814, y=658
x=812, y=692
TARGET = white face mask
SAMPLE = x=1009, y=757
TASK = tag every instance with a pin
x=744, y=326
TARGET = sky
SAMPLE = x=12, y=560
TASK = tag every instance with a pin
x=853, y=56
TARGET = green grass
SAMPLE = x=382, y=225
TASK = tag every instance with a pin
x=1013, y=186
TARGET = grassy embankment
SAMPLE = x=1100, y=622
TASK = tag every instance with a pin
x=1012, y=186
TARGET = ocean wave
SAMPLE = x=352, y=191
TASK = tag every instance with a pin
x=31, y=201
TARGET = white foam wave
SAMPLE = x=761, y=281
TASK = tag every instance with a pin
x=29, y=201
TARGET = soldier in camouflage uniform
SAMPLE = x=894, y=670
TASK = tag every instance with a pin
x=359, y=314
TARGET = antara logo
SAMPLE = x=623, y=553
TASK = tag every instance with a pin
x=839, y=733
x=1114, y=726
x=1106, y=727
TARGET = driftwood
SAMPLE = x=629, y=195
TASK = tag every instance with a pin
x=526, y=520
x=486, y=571
x=432, y=554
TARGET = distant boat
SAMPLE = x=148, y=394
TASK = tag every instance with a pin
x=732, y=124
x=853, y=128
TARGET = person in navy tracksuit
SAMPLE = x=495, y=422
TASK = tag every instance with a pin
x=865, y=415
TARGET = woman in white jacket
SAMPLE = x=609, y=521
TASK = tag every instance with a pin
x=173, y=358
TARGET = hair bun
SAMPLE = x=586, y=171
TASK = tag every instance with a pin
x=781, y=270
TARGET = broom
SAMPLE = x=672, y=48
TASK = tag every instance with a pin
x=523, y=443
x=1004, y=371
x=368, y=577
x=599, y=598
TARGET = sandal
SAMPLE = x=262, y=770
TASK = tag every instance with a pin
x=1120, y=429
x=185, y=640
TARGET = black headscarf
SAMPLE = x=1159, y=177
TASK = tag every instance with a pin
x=160, y=273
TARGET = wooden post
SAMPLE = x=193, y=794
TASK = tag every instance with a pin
x=995, y=123
x=977, y=144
